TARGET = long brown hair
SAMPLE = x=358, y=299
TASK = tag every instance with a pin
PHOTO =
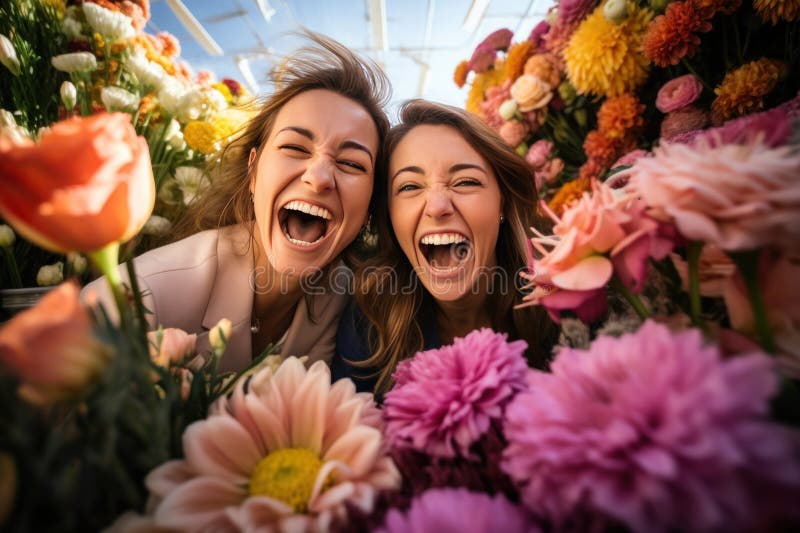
x=328, y=65
x=394, y=331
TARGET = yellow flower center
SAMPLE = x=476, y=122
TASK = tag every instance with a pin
x=287, y=475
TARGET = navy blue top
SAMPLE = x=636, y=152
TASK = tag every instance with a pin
x=351, y=344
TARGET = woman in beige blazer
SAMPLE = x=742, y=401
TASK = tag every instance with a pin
x=289, y=196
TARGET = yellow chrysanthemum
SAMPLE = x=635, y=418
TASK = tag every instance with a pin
x=742, y=91
x=570, y=192
x=775, y=11
x=606, y=59
x=209, y=137
x=482, y=82
x=224, y=91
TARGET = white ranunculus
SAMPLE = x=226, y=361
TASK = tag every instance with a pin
x=69, y=95
x=148, y=73
x=72, y=29
x=174, y=136
x=75, y=62
x=191, y=106
x=170, y=95
x=191, y=181
x=118, y=99
x=112, y=25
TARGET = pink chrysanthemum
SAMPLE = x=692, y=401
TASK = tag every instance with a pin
x=444, y=400
x=445, y=510
x=290, y=453
x=654, y=430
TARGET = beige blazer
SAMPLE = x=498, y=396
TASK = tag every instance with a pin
x=193, y=283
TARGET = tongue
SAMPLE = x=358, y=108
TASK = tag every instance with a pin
x=442, y=256
x=304, y=227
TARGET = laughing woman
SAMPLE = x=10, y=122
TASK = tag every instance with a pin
x=293, y=191
x=459, y=202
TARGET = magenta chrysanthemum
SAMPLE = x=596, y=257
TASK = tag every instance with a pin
x=444, y=400
x=442, y=510
x=654, y=430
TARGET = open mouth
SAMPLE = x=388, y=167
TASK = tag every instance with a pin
x=445, y=252
x=304, y=224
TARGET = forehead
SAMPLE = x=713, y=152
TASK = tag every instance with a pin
x=328, y=114
x=429, y=144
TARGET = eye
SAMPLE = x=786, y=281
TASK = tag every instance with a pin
x=407, y=187
x=468, y=182
x=351, y=164
x=294, y=148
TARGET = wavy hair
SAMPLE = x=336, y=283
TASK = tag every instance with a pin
x=394, y=329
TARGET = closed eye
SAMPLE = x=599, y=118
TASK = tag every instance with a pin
x=351, y=164
x=407, y=187
x=468, y=182
x=294, y=148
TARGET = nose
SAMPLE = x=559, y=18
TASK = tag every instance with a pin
x=319, y=175
x=438, y=204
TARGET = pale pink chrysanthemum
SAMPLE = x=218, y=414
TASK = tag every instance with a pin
x=445, y=399
x=287, y=451
x=654, y=430
x=457, y=509
x=738, y=196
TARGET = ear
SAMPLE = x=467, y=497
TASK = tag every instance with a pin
x=250, y=160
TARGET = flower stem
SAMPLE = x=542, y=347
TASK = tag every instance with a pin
x=695, y=308
x=691, y=69
x=11, y=264
x=747, y=262
x=634, y=300
x=105, y=259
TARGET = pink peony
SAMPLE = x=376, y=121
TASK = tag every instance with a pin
x=654, y=430
x=513, y=132
x=287, y=451
x=458, y=510
x=539, y=153
x=678, y=92
x=735, y=196
x=605, y=233
x=445, y=399
x=686, y=119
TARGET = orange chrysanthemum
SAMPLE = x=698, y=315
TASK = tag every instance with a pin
x=620, y=116
x=775, y=11
x=742, y=91
x=709, y=8
x=673, y=35
x=604, y=149
x=570, y=192
x=605, y=58
x=545, y=67
x=590, y=170
x=460, y=74
x=518, y=54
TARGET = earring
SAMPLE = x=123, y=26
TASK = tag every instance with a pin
x=502, y=218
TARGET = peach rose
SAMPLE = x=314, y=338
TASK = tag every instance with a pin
x=545, y=67
x=531, y=92
x=88, y=183
x=170, y=345
x=51, y=348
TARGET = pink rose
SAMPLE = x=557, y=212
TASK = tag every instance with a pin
x=549, y=172
x=513, y=132
x=539, y=153
x=531, y=92
x=678, y=93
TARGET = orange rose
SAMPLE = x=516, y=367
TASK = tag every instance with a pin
x=87, y=184
x=51, y=348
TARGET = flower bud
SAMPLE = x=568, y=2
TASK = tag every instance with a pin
x=659, y=6
x=508, y=109
x=580, y=117
x=615, y=11
x=69, y=95
x=50, y=275
x=567, y=92
x=522, y=149
x=7, y=236
x=74, y=62
x=219, y=335
x=77, y=263
x=8, y=56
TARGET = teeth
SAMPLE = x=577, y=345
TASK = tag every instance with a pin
x=439, y=239
x=305, y=207
x=299, y=242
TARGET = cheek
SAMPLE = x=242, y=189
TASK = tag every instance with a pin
x=355, y=196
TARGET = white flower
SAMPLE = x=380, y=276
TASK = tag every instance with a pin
x=615, y=11
x=170, y=95
x=69, y=95
x=72, y=29
x=508, y=109
x=8, y=55
x=10, y=130
x=112, y=25
x=74, y=62
x=7, y=119
x=77, y=263
x=191, y=180
x=156, y=225
x=148, y=73
x=215, y=100
x=7, y=236
x=118, y=99
x=190, y=106
x=174, y=136
x=50, y=275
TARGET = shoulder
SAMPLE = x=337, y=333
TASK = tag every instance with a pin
x=187, y=254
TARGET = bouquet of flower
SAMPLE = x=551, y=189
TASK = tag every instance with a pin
x=84, y=58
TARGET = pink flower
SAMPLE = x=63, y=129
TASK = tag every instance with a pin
x=548, y=173
x=735, y=196
x=630, y=158
x=778, y=275
x=654, y=430
x=538, y=32
x=573, y=11
x=678, y=92
x=482, y=58
x=531, y=93
x=605, y=233
x=489, y=108
x=170, y=345
x=452, y=509
x=498, y=39
x=287, y=451
x=513, y=132
x=686, y=119
x=445, y=399
x=539, y=153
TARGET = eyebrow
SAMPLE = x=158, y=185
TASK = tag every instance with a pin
x=345, y=144
x=452, y=170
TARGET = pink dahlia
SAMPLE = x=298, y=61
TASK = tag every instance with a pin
x=736, y=196
x=654, y=430
x=445, y=510
x=287, y=451
x=445, y=399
